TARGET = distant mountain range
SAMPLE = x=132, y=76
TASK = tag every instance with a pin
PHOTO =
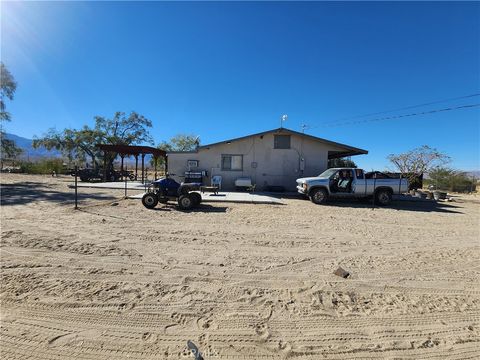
x=474, y=173
x=28, y=151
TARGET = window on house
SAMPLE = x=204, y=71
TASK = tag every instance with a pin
x=232, y=162
x=281, y=142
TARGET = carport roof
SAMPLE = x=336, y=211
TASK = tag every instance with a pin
x=348, y=150
x=132, y=149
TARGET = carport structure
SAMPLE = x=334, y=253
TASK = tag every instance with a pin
x=132, y=150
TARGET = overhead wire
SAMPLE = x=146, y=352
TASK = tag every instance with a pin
x=342, y=122
x=399, y=116
x=407, y=107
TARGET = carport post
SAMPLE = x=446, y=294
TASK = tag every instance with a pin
x=155, y=159
x=143, y=168
x=136, y=167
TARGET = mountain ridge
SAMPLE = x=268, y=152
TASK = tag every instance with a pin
x=29, y=152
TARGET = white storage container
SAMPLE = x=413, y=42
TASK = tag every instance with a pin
x=243, y=182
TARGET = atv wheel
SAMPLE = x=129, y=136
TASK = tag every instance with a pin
x=149, y=200
x=186, y=202
x=196, y=197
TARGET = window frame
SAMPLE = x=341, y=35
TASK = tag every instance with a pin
x=359, y=171
x=231, y=157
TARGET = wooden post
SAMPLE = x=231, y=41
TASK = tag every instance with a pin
x=136, y=167
x=143, y=168
x=155, y=159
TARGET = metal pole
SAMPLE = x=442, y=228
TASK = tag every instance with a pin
x=374, y=184
x=76, y=190
x=126, y=178
x=104, y=166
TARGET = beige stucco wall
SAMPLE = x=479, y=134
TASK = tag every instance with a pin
x=274, y=166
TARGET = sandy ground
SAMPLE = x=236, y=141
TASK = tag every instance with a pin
x=114, y=280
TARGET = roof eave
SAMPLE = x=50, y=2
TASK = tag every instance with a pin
x=355, y=151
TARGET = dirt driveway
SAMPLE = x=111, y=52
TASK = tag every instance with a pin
x=114, y=280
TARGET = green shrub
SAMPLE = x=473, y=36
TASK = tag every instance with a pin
x=42, y=166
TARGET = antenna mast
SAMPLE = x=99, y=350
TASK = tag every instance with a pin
x=282, y=119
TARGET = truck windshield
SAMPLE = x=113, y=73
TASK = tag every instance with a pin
x=327, y=173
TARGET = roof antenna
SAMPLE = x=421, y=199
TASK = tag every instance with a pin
x=304, y=127
x=282, y=119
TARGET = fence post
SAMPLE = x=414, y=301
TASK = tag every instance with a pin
x=374, y=184
x=126, y=178
x=76, y=188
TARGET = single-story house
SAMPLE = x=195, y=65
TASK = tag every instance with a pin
x=271, y=158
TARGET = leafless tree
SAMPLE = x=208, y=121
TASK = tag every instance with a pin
x=419, y=160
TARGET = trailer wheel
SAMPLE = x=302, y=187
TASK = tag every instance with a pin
x=383, y=197
x=186, y=202
x=196, y=197
x=319, y=196
x=149, y=200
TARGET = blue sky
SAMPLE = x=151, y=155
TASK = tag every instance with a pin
x=227, y=69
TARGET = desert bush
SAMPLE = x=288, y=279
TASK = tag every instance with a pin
x=451, y=180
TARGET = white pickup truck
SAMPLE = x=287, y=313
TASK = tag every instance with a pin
x=350, y=183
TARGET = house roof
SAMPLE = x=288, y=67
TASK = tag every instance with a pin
x=348, y=150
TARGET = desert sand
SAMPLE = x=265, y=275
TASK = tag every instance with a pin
x=114, y=280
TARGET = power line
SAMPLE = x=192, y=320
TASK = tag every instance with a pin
x=401, y=116
x=405, y=108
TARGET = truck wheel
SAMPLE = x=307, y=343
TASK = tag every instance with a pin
x=149, y=200
x=383, y=197
x=319, y=196
x=185, y=202
x=196, y=197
